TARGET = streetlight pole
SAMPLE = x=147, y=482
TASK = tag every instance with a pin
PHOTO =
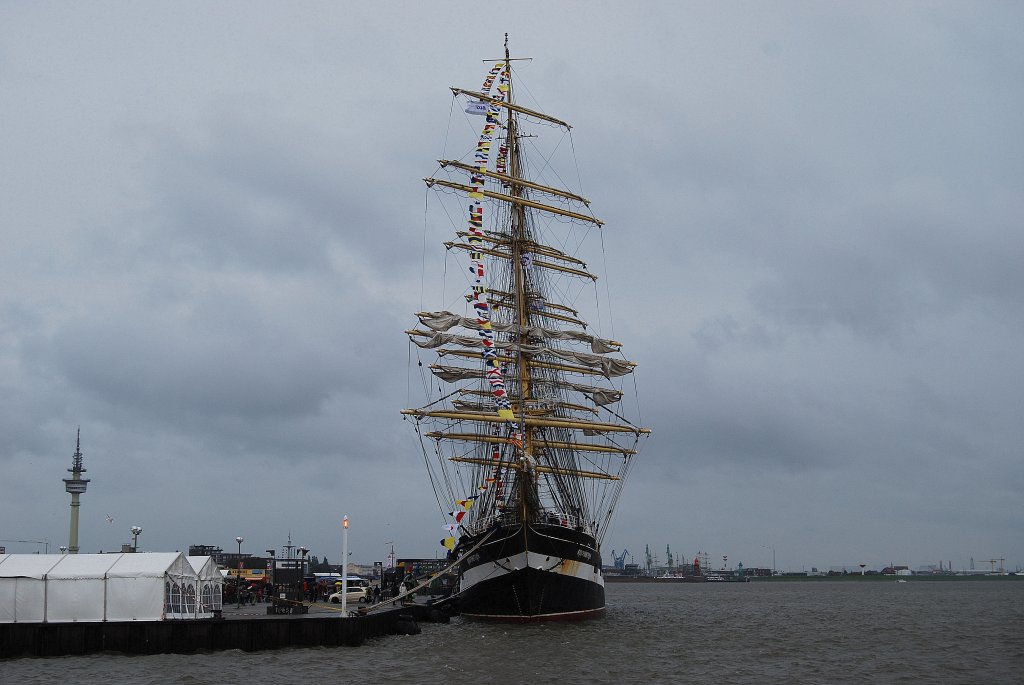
x=344, y=566
x=135, y=537
x=384, y=572
x=238, y=578
x=302, y=567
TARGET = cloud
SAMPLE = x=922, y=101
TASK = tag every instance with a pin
x=215, y=233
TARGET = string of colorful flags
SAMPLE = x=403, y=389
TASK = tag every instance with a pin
x=481, y=306
x=463, y=506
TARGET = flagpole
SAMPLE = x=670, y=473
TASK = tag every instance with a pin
x=344, y=567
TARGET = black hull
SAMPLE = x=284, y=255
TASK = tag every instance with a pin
x=545, y=573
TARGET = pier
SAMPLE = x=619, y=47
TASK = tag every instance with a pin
x=248, y=628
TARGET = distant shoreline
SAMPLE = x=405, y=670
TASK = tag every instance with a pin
x=852, y=577
x=888, y=579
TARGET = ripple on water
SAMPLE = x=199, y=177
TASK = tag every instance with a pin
x=796, y=632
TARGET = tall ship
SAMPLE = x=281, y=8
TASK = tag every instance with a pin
x=524, y=421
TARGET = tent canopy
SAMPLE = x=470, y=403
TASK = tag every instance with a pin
x=205, y=567
x=23, y=586
x=211, y=585
x=104, y=587
x=82, y=566
x=27, y=565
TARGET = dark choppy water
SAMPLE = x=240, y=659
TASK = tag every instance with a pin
x=792, y=632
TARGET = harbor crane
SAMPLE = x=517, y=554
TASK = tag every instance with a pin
x=620, y=559
x=994, y=562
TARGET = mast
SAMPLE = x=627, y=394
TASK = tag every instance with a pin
x=518, y=237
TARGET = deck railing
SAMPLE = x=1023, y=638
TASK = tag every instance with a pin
x=512, y=518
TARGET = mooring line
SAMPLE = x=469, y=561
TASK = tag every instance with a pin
x=392, y=600
x=434, y=575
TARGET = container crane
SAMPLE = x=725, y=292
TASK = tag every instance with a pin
x=994, y=562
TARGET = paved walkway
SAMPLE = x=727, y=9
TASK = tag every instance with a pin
x=319, y=609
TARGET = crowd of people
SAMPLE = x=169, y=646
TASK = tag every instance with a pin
x=313, y=590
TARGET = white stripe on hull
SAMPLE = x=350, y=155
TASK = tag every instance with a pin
x=519, y=618
x=542, y=562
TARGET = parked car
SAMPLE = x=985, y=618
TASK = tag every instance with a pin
x=356, y=592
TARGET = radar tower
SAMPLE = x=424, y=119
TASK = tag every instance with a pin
x=75, y=486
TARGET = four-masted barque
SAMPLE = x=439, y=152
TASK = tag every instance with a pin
x=526, y=440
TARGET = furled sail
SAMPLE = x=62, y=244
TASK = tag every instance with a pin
x=600, y=396
x=445, y=321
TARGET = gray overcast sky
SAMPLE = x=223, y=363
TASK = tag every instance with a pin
x=814, y=216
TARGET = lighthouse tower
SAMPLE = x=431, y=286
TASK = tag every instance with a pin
x=76, y=486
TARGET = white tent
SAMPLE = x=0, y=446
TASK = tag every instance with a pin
x=150, y=587
x=97, y=587
x=23, y=586
x=211, y=586
x=76, y=587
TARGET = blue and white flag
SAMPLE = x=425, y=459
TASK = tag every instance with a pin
x=476, y=107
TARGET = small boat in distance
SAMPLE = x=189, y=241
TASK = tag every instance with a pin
x=528, y=442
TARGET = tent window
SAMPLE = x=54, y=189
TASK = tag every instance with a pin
x=208, y=597
x=190, y=599
x=173, y=597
